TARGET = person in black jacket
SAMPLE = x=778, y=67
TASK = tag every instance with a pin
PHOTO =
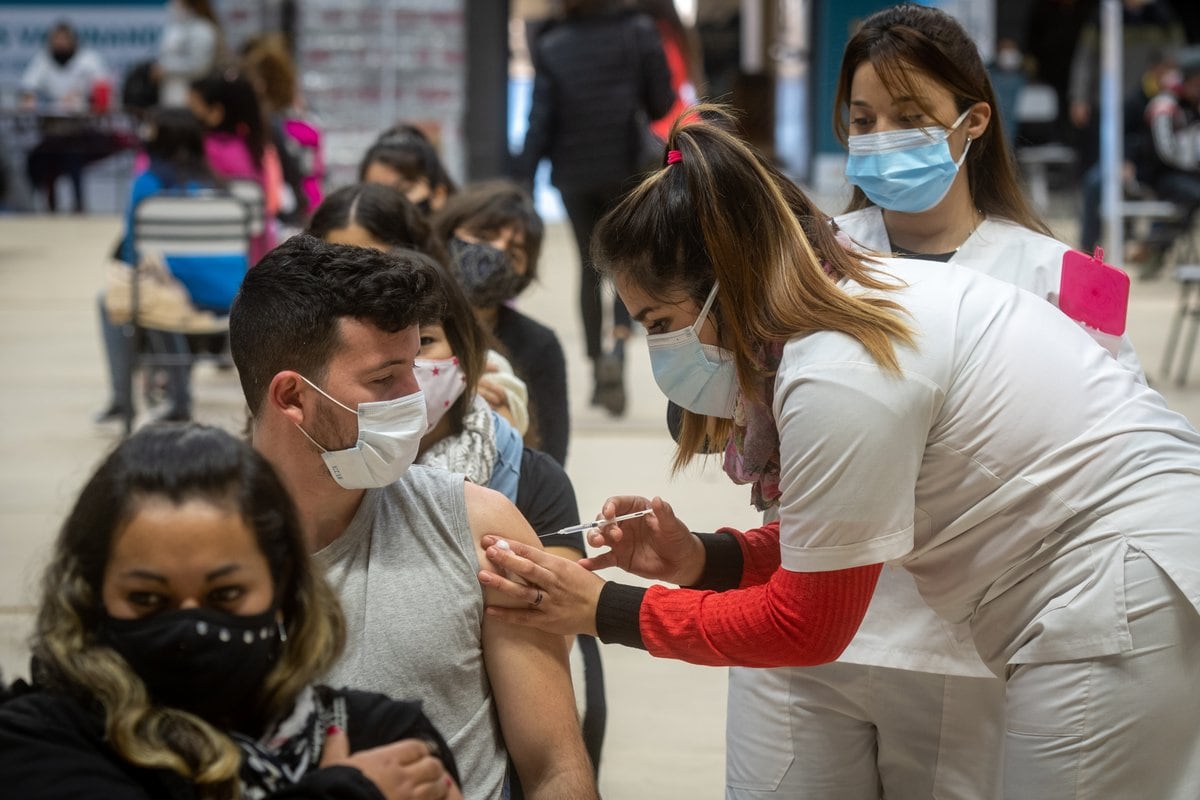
x=180, y=632
x=494, y=236
x=600, y=77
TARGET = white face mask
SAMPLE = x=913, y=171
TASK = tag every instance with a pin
x=389, y=434
x=443, y=382
x=699, y=377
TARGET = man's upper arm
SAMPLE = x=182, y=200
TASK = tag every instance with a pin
x=530, y=676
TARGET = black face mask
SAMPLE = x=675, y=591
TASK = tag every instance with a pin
x=207, y=662
x=61, y=57
x=485, y=273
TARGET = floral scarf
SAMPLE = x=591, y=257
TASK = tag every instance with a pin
x=752, y=452
x=472, y=452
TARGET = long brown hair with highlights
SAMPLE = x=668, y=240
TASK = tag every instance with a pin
x=907, y=40
x=723, y=213
x=179, y=463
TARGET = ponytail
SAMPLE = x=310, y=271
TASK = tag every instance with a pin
x=719, y=212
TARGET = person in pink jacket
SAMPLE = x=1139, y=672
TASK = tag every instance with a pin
x=237, y=143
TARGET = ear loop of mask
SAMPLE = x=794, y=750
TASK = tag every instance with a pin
x=332, y=400
x=967, y=146
x=712, y=296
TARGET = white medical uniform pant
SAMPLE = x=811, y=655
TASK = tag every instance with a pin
x=852, y=732
x=1121, y=726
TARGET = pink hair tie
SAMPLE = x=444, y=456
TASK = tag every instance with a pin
x=674, y=157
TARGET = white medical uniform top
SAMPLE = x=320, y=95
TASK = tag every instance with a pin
x=44, y=76
x=900, y=631
x=1004, y=250
x=1008, y=467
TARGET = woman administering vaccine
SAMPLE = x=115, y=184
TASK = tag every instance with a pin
x=927, y=416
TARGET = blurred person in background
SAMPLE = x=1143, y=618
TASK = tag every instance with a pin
x=65, y=82
x=405, y=158
x=63, y=75
x=681, y=45
x=600, y=78
x=192, y=46
x=1162, y=75
x=295, y=136
x=1149, y=27
x=237, y=143
x=175, y=162
x=1008, y=76
x=1170, y=153
x=494, y=236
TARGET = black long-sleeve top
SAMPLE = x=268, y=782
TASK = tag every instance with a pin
x=592, y=74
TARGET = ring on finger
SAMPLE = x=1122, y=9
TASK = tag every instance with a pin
x=537, y=601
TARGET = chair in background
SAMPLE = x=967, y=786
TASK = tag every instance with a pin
x=1187, y=312
x=204, y=241
x=1037, y=107
x=250, y=192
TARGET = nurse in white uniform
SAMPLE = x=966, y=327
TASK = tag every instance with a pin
x=930, y=418
x=908, y=710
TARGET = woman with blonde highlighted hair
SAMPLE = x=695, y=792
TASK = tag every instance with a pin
x=899, y=412
x=180, y=637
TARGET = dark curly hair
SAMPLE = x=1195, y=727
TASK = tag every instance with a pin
x=285, y=317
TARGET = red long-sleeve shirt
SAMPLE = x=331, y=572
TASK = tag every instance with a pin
x=773, y=618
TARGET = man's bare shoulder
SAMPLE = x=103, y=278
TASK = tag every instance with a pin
x=489, y=511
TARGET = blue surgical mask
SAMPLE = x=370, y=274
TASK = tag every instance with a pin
x=906, y=170
x=699, y=377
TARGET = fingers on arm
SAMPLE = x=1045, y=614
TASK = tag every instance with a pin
x=492, y=516
x=493, y=394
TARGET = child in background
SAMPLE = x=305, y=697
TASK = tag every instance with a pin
x=404, y=158
x=174, y=161
x=237, y=143
x=297, y=140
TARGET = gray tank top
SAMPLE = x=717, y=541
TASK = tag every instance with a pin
x=405, y=573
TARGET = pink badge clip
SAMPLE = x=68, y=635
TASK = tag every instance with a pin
x=1094, y=293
